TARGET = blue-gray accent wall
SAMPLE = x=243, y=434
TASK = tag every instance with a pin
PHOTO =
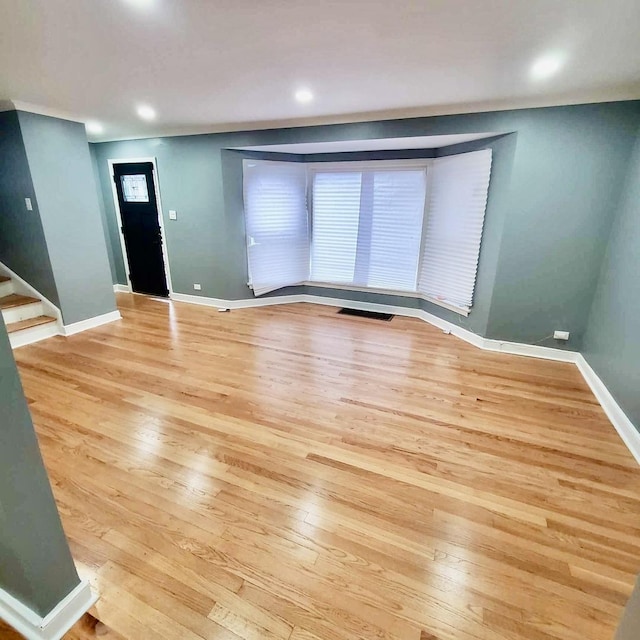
x=103, y=217
x=23, y=247
x=63, y=179
x=612, y=339
x=35, y=562
x=567, y=174
x=554, y=186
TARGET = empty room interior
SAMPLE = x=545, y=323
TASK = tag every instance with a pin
x=320, y=320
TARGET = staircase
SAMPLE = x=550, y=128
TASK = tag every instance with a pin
x=28, y=319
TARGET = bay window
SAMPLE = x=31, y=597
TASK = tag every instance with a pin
x=400, y=227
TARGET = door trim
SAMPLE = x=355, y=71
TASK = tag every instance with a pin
x=114, y=194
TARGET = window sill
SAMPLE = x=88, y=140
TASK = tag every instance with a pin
x=463, y=311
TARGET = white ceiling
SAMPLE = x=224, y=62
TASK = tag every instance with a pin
x=208, y=65
x=373, y=144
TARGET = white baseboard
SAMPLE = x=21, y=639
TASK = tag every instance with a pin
x=221, y=303
x=121, y=288
x=514, y=348
x=488, y=344
x=34, y=334
x=622, y=424
x=530, y=350
x=629, y=434
x=23, y=287
x=56, y=623
x=203, y=301
x=362, y=305
x=90, y=323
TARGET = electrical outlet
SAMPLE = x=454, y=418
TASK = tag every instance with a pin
x=173, y=215
x=197, y=287
x=561, y=335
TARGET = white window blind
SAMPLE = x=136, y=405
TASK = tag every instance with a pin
x=456, y=208
x=276, y=224
x=367, y=227
x=397, y=211
x=336, y=218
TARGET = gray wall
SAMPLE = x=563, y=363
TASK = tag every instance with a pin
x=63, y=178
x=22, y=243
x=35, y=562
x=103, y=216
x=551, y=203
x=612, y=340
x=566, y=178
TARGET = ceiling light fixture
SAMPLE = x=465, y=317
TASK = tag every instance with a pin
x=303, y=96
x=93, y=127
x=545, y=67
x=146, y=112
x=140, y=4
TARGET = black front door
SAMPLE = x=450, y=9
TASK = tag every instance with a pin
x=140, y=227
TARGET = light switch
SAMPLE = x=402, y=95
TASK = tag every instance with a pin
x=27, y=202
x=173, y=215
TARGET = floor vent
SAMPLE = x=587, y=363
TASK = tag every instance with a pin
x=374, y=315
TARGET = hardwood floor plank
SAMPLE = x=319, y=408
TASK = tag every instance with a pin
x=291, y=474
x=161, y=609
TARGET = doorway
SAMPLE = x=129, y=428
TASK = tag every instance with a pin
x=141, y=226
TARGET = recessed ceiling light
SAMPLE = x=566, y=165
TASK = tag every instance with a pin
x=146, y=112
x=93, y=127
x=303, y=96
x=545, y=67
x=140, y=4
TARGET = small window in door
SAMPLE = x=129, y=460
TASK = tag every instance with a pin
x=134, y=188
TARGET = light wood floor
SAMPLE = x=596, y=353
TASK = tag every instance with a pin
x=288, y=473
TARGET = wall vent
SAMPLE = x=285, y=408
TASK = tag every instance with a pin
x=374, y=315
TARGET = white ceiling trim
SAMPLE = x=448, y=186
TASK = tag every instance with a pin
x=352, y=118
x=17, y=105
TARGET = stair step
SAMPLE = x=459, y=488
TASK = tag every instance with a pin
x=6, y=287
x=16, y=300
x=28, y=324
